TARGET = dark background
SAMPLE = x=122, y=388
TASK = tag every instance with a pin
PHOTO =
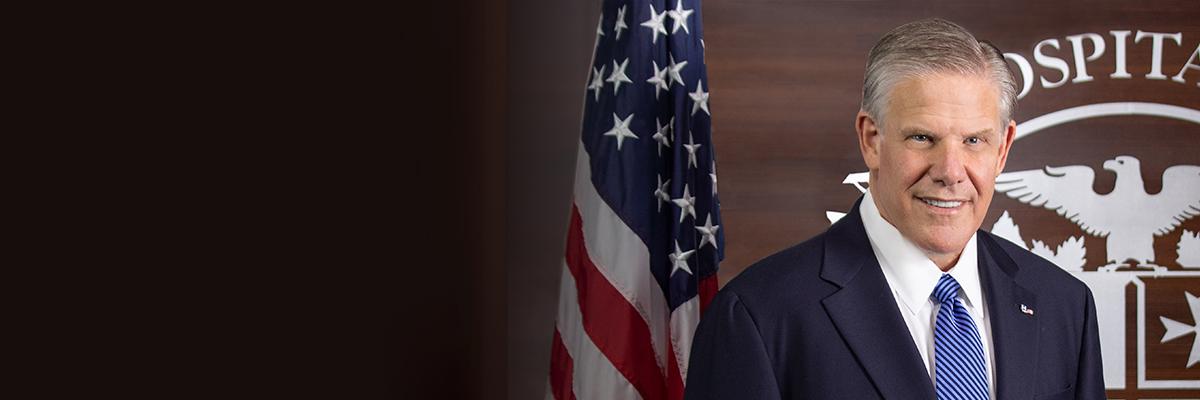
x=445, y=335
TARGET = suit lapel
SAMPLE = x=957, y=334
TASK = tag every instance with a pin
x=865, y=313
x=1014, y=333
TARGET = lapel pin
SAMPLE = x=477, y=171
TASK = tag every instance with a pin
x=1026, y=310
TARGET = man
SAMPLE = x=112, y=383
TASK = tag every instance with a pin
x=904, y=297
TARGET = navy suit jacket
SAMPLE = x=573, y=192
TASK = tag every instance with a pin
x=819, y=321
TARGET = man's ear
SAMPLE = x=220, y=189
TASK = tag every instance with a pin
x=1006, y=140
x=868, y=139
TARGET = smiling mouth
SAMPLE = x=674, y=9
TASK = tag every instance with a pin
x=942, y=203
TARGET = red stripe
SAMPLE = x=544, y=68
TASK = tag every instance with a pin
x=708, y=289
x=674, y=377
x=562, y=370
x=612, y=323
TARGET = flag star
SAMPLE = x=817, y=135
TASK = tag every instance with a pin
x=700, y=99
x=676, y=70
x=679, y=260
x=662, y=192
x=597, y=81
x=655, y=23
x=680, y=16
x=620, y=129
x=713, y=175
x=709, y=231
x=600, y=27
x=1176, y=329
x=620, y=22
x=691, y=147
x=687, y=205
x=659, y=79
x=618, y=76
x=660, y=137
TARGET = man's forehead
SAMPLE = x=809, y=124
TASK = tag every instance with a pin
x=945, y=103
x=942, y=84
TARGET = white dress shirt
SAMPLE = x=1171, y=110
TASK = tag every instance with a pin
x=912, y=277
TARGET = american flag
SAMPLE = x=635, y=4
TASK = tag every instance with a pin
x=644, y=239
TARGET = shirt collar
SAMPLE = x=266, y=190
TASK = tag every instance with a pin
x=907, y=267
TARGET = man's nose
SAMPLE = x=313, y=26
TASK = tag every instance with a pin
x=948, y=168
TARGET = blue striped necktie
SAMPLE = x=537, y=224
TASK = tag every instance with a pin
x=960, y=371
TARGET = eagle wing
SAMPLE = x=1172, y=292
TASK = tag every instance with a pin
x=1066, y=190
x=1178, y=200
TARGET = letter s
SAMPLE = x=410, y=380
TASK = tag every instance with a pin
x=1051, y=62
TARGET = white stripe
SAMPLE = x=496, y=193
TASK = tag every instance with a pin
x=594, y=376
x=683, y=327
x=621, y=257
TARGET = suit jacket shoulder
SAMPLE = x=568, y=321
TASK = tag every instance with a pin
x=782, y=276
x=787, y=327
x=1037, y=274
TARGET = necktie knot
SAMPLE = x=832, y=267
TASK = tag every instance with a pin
x=946, y=290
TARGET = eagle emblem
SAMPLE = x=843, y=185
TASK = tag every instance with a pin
x=1128, y=217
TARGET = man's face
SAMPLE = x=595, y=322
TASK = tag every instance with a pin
x=934, y=161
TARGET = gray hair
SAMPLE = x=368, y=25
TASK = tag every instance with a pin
x=934, y=45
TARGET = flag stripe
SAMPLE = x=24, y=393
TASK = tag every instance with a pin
x=595, y=377
x=561, y=370
x=621, y=256
x=683, y=327
x=611, y=321
x=674, y=380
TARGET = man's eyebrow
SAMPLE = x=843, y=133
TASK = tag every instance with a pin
x=982, y=132
x=915, y=131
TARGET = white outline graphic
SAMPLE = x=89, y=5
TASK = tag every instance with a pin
x=1106, y=110
x=1141, y=347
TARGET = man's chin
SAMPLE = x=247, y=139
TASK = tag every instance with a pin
x=942, y=248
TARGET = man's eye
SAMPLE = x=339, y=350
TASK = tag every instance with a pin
x=919, y=138
x=974, y=140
